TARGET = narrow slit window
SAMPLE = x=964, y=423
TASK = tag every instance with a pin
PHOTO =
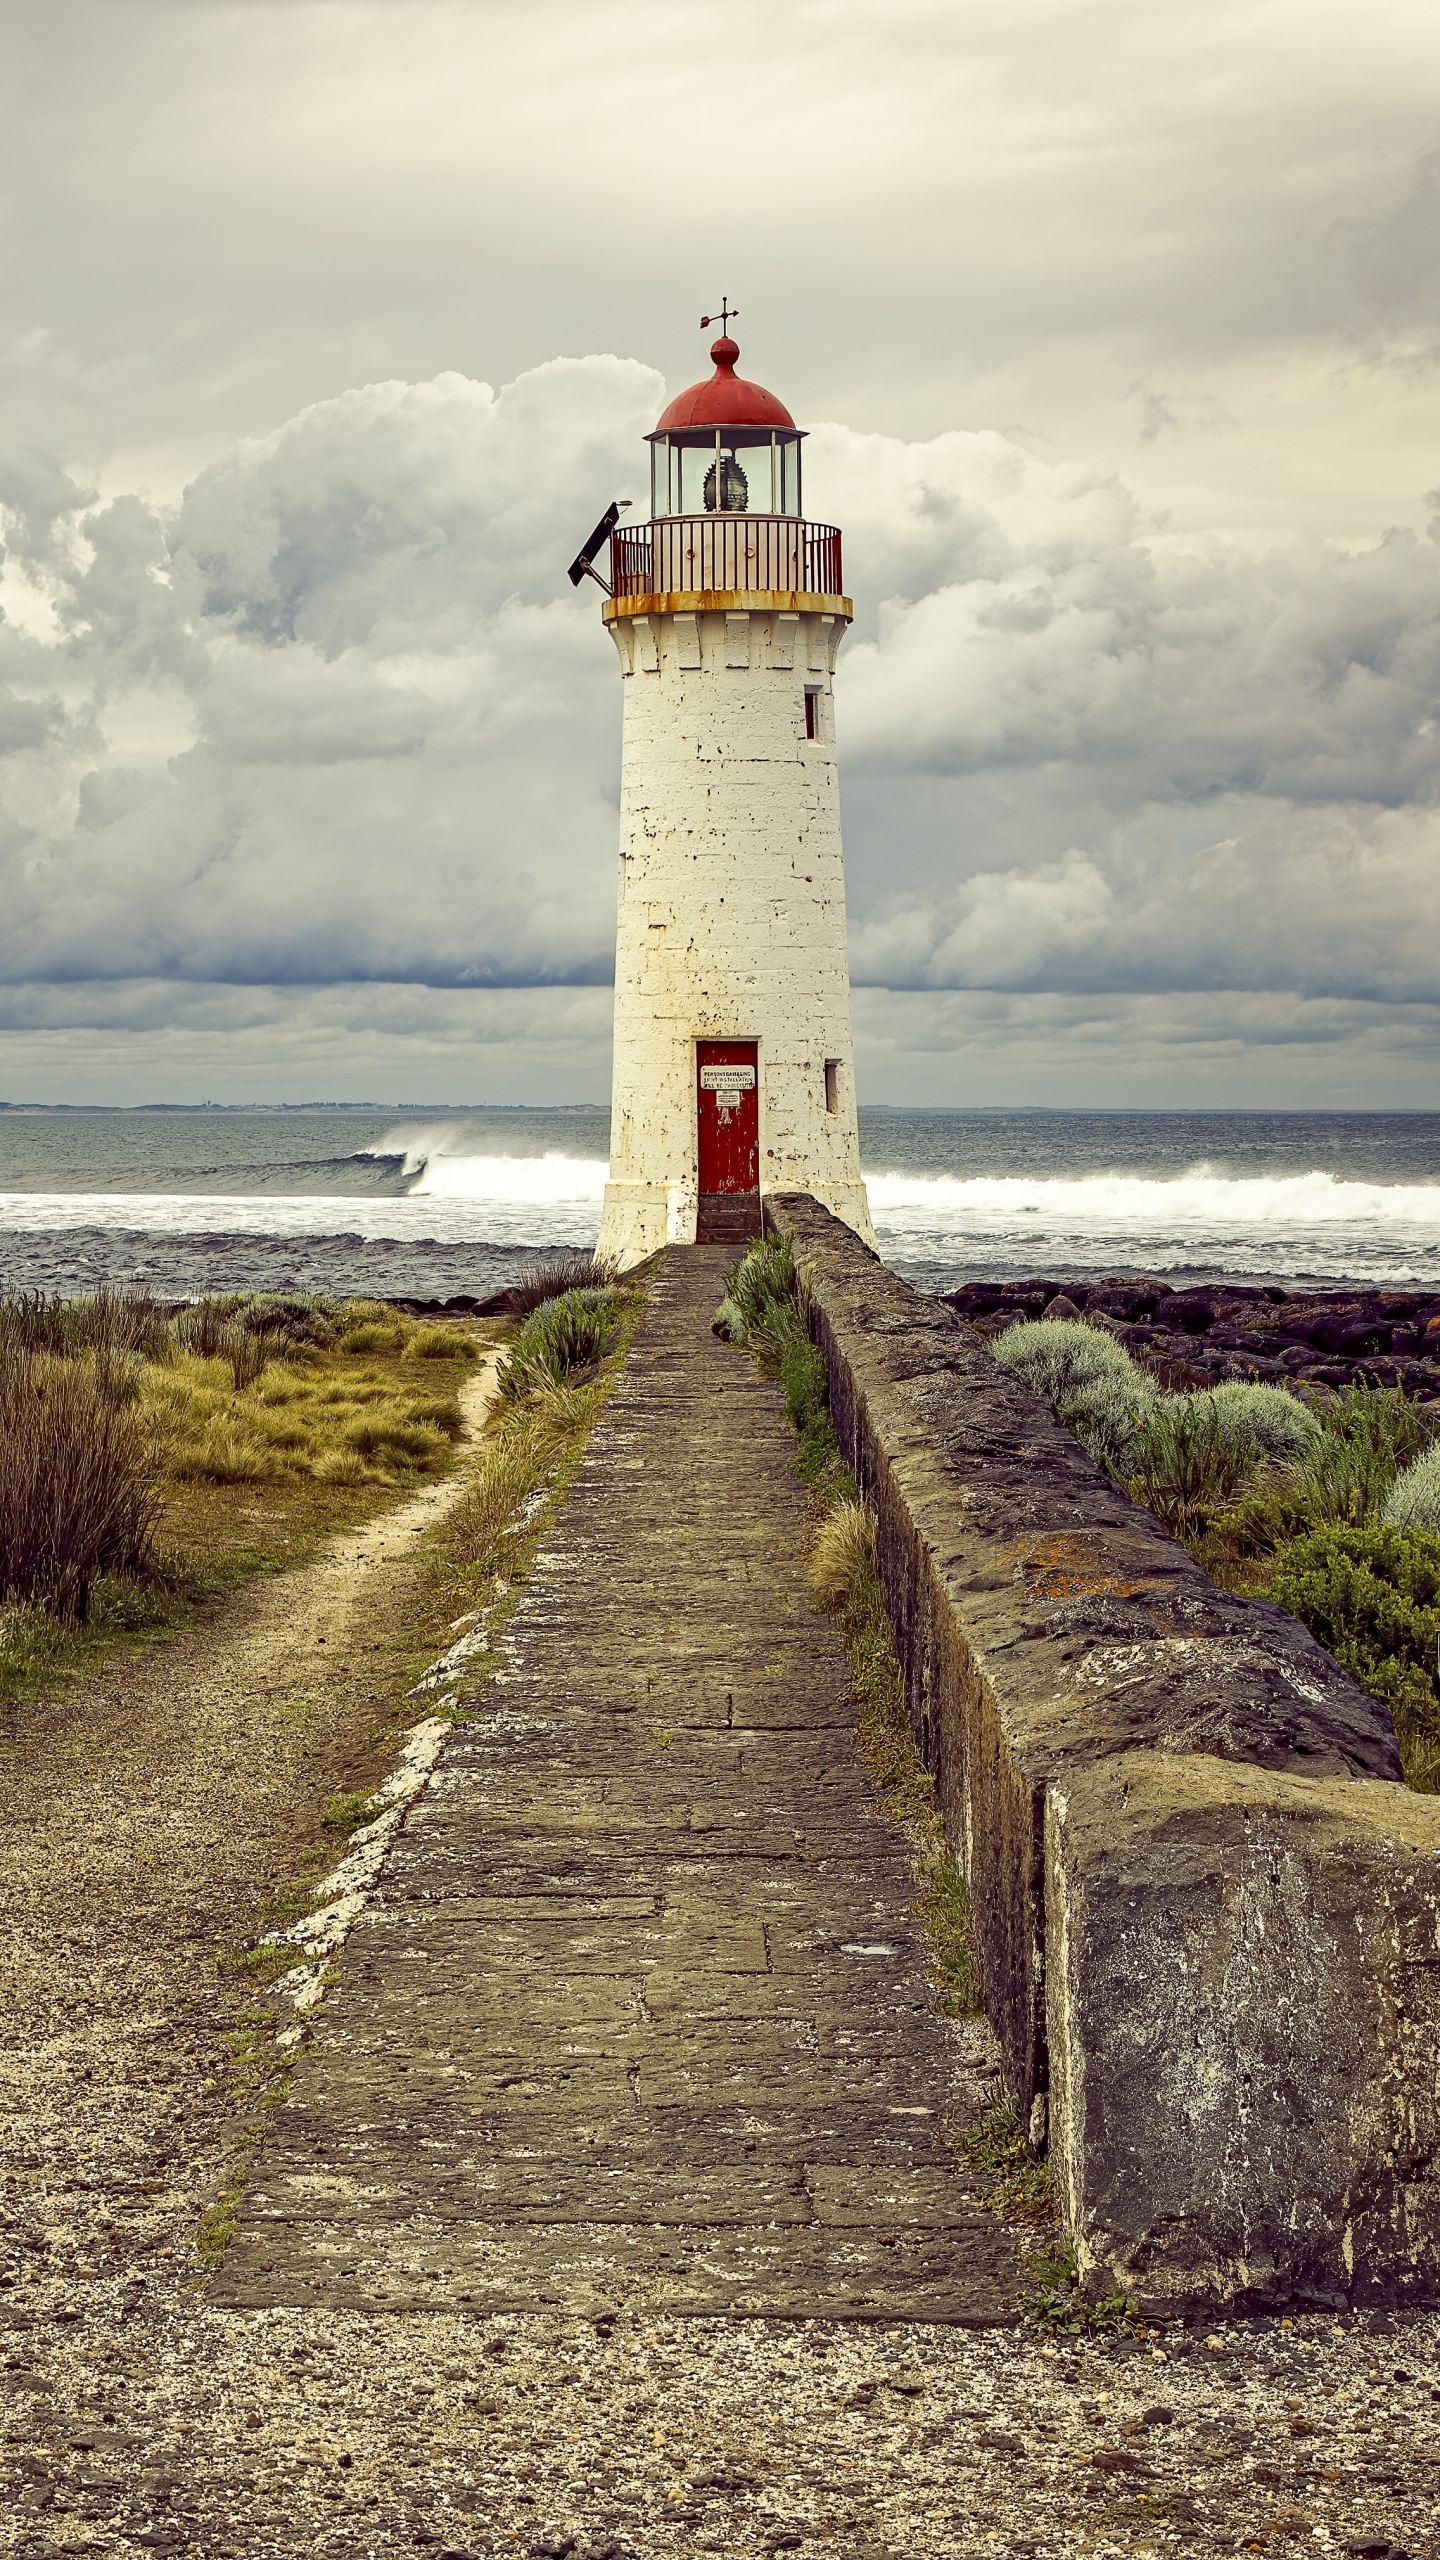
x=812, y=714
x=832, y=1072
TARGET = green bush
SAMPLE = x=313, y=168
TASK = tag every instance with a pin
x=1106, y=1415
x=806, y=1382
x=1062, y=1361
x=761, y=1307
x=1099, y=1392
x=1275, y=1423
x=1372, y=1597
x=305, y=1320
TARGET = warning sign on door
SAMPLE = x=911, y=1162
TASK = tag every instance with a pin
x=727, y=1079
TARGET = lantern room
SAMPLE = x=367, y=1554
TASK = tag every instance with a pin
x=725, y=447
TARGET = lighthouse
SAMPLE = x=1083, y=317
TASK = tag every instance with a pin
x=734, y=1059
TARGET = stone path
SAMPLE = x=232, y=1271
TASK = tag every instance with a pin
x=639, y=2016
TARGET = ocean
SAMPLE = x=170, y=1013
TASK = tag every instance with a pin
x=433, y=1202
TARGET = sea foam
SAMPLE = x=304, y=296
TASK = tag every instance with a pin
x=1316, y=1223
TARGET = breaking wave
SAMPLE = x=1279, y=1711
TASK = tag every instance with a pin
x=1315, y=1222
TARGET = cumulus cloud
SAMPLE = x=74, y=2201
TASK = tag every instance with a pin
x=336, y=716
x=335, y=720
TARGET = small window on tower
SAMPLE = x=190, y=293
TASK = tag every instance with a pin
x=812, y=714
x=832, y=1084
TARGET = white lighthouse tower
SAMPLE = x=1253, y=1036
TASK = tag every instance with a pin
x=734, y=1066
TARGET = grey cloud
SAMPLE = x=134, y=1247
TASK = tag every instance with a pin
x=336, y=718
x=155, y=1041
x=388, y=717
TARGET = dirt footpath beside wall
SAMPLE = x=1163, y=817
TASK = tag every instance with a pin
x=1208, y=1909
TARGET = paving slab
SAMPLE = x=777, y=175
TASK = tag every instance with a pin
x=638, y=2015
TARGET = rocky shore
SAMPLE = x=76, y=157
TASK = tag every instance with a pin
x=1195, y=1337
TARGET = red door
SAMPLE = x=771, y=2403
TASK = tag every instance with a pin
x=729, y=1127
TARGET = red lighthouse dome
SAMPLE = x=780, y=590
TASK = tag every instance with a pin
x=725, y=400
x=725, y=447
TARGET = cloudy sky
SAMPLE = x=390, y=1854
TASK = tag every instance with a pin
x=328, y=326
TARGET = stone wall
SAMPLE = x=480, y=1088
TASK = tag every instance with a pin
x=1208, y=1909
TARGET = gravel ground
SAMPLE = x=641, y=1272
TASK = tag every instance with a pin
x=170, y=2426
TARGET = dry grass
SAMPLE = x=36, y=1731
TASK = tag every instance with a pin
x=342, y=1418
x=143, y=1462
x=525, y=1463
x=79, y=1476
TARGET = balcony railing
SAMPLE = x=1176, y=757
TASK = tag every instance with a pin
x=726, y=554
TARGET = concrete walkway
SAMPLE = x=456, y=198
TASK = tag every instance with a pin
x=638, y=2016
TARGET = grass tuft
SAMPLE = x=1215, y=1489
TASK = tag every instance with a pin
x=557, y=1276
x=351, y=1812
x=565, y=1340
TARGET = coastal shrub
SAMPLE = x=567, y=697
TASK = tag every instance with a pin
x=1060, y=1360
x=565, y=1338
x=1366, y=1438
x=761, y=1308
x=1413, y=1501
x=1275, y=1424
x=1106, y=1415
x=304, y=1321
x=806, y=1384
x=1371, y=1595
x=79, y=1478
x=1099, y=1392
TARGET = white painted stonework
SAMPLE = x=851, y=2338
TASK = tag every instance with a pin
x=731, y=918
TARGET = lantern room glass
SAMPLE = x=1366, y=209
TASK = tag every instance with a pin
x=725, y=470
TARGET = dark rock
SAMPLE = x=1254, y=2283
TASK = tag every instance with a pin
x=1062, y=1310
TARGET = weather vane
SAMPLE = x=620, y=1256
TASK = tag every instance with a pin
x=724, y=315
